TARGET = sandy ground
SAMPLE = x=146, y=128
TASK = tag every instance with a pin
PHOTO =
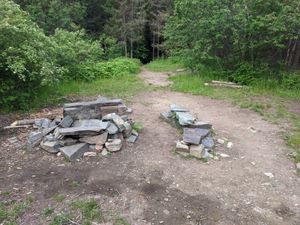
x=147, y=183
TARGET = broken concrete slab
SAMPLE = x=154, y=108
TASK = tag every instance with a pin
x=83, y=113
x=194, y=135
x=50, y=146
x=75, y=151
x=185, y=118
x=118, y=121
x=74, y=131
x=114, y=145
x=176, y=108
x=112, y=129
x=35, y=138
x=95, y=140
x=182, y=147
x=43, y=123
x=91, y=123
x=166, y=116
x=132, y=139
x=97, y=103
x=200, y=124
x=196, y=151
x=66, y=122
x=208, y=142
x=128, y=130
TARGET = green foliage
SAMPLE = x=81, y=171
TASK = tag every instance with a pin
x=89, y=209
x=61, y=219
x=226, y=34
x=26, y=61
x=115, y=68
x=291, y=81
x=53, y=14
x=48, y=211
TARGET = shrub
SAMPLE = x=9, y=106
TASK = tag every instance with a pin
x=291, y=81
x=110, y=69
x=25, y=59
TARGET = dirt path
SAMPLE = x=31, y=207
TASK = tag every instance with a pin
x=147, y=183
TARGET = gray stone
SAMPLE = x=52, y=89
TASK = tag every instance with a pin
x=68, y=142
x=12, y=140
x=196, y=151
x=176, y=108
x=128, y=130
x=200, y=124
x=185, y=118
x=75, y=151
x=95, y=140
x=298, y=166
x=104, y=152
x=91, y=123
x=66, y=122
x=166, y=116
x=119, y=122
x=82, y=113
x=113, y=145
x=182, y=147
x=132, y=139
x=50, y=146
x=135, y=133
x=53, y=124
x=90, y=154
x=74, y=131
x=206, y=154
x=50, y=137
x=43, y=123
x=124, y=117
x=34, y=139
x=194, y=135
x=92, y=104
x=208, y=142
x=112, y=129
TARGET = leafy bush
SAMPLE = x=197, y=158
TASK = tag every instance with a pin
x=109, y=69
x=291, y=81
x=26, y=61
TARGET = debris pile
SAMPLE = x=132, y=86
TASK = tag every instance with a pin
x=197, y=140
x=86, y=128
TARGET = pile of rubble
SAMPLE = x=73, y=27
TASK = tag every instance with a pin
x=86, y=128
x=197, y=136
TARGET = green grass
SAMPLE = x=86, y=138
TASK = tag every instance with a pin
x=267, y=100
x=48, y=211
x=89, y=209
x=164, y=65
x=10, y=211
x=121, y=221
x=59, y=198
x=61, y=219
x=123, y=87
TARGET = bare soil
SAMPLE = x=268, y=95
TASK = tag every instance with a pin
x=147, y=183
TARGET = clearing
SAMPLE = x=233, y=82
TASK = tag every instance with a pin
x=147, y=183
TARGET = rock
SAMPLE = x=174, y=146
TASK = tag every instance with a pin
x=229, y=145
x=200, y=124
x=66, y=122
x=97, y=103
x=95, y=140
x=99, y=148
x=12, y=140
x=75, y=151
x=166, y=116
x=105, y=110
x=196, y=151
x=34, y=139
x=128, y=130
x=194, y=135
x=104, y=152
x=166, y=212
x=185, y=118
x=182, y=147
x=124, y=117
x=118, y=121
x=67, y=142
x=270, y=175
x=223, y=155
x=176, y=108
x=113, y=145
x=135, y=133
x=112, y=129
x=298, y=166
x=208, y=142
x=102, y=99
x=43, y=123
x=50, y=146
x=221, y=141
x=74, y=131
x=91, y=123
x=89, y=154
x=206, y=154
x=132, y=139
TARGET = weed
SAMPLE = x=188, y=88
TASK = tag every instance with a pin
x=74, y=184
x=138, y=127
x=48, y=211
x=121, y=221
x=89, y=209
x=61, y=219
x=59, y=198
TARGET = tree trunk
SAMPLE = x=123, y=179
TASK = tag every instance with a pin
x=153, y=45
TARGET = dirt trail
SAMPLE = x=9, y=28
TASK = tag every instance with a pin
x=147, y=183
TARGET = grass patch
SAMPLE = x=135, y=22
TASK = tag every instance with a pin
x=123, y=87
x=164, y=65
x=138, y=127
x=59, y=198
x=89, y=209
x=61, y=219
x=48, y=211
x=10, y=211
x=121, y=221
